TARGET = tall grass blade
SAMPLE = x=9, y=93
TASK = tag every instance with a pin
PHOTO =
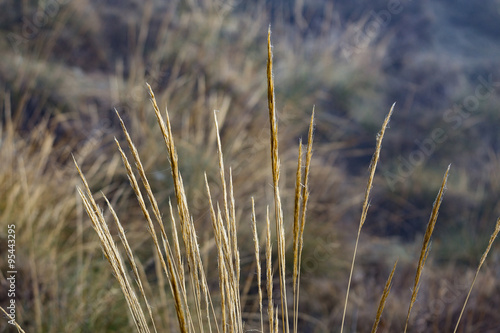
x=383, y=299
x=481, y=262
x=301, y=198
x=131, y=259
x=296, y=232
x=19, y=329
x=188, y=231
x=269, y=273
x=366, y=204
x=280, y=229
x=257, y=260
x=426, y=245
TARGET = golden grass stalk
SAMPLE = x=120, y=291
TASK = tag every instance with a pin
x=257, y=260
x=366, y=205
x=481, y=262
x=132, y=262
x=269, y=273
x=280, y=229
x=296, y=232
x=301, y=198
x=19, y=329
x=383, y=299
x=188, y=232
x=177, y=248
x=426, y=244
x=276, y=322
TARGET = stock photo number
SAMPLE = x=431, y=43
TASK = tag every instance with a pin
x=11, y=273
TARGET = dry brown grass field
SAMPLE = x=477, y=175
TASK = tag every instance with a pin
x=172, y=166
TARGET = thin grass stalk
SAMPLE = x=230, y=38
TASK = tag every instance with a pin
x=222, y=177
x=177, y=179
x=182, y=311
x=280, y=230
x=188, y=231
x=366, y=205
x=426, y=245
x=296, y=229
x=226, y=260
x=276, y=321
x=232, y=253
x=142, y=174
x=19, y=329
x=131, y=259
x=257, y=261
x=177, y=276
x=305, y=198
x=383, y=299
x=197, y=276
x=227, y=269
x=237, y=302
x=218, y=246
x=177, y=250
x=180, y=272
x=269, y=273
x=234, y=242
x=222, y=246
x=481, y=262
x=113, y=255
x=222, y=279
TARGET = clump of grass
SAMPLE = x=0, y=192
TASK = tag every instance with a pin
x=195, y=307
x=225, y=236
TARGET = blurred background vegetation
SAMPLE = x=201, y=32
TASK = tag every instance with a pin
x=67, y=64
